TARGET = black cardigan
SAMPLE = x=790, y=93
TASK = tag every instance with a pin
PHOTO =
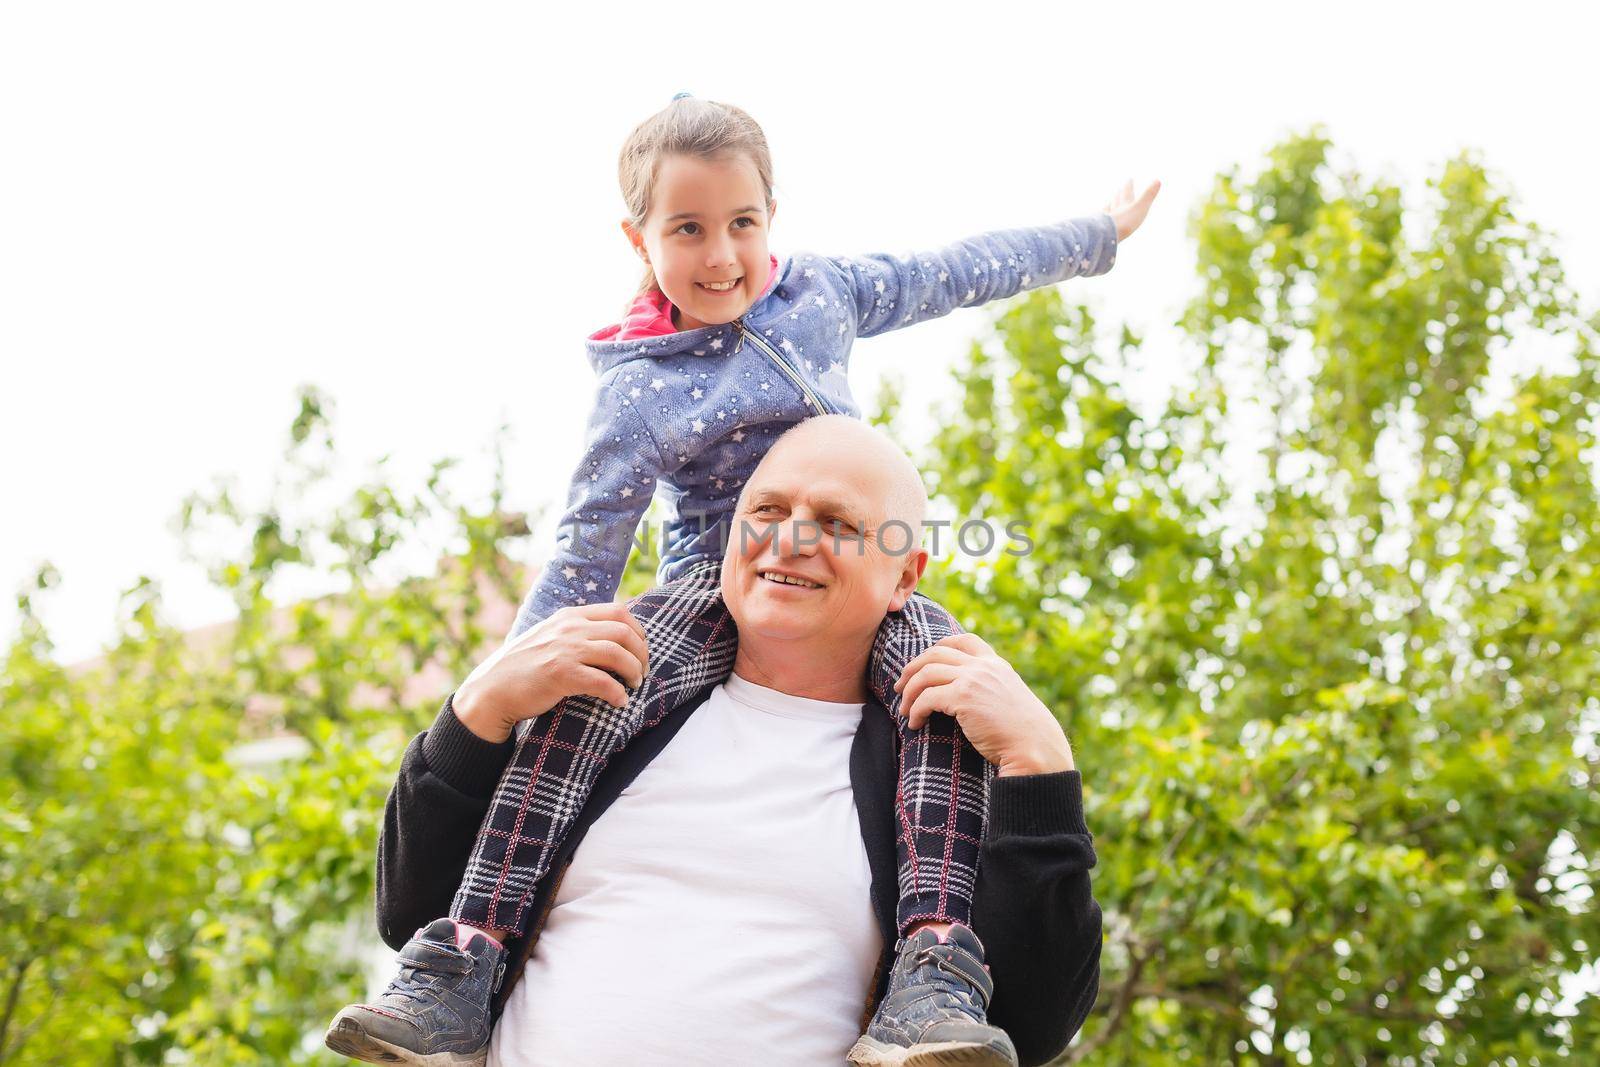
x=1033, y=906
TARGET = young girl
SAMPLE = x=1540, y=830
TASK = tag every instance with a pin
x=723, y=349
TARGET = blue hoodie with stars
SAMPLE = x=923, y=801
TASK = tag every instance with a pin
x=692, y=413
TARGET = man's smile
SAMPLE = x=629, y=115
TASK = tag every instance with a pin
x=785, y=578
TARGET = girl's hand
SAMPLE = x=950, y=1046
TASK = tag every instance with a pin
x=1128, y=212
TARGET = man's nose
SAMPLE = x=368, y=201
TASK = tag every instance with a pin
x=799, y=536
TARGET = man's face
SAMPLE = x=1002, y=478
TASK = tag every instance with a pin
x=706, y=237
x=810, y=558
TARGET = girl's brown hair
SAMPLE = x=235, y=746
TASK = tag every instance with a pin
x=688, y=126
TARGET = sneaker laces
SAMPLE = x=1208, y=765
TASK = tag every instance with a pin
x=933, y=967
x=408, y=982
x=412, y=981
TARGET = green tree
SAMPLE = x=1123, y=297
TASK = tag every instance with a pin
x=1323, y=627
x=164, y=899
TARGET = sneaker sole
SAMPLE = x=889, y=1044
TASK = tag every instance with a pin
x=870, y=1053
x=347, y=1037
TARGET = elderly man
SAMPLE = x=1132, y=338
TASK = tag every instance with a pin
x=727, y=894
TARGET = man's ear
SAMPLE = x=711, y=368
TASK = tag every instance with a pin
x=910, y=574
x=635, y=238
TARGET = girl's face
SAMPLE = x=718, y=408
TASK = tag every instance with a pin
x=706, y=237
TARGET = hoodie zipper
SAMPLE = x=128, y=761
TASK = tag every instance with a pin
x=793, y=375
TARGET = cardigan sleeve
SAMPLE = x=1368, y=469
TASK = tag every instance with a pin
x=1035, y=912
x=430, y=822
x=888, y=292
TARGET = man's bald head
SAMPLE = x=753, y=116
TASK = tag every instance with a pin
x=832, y=443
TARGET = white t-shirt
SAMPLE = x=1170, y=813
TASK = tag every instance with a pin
x=719, y=911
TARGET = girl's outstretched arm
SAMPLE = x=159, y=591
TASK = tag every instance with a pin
x=610, y=491
x=888, y=292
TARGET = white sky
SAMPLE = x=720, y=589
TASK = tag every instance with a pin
x=414, y=207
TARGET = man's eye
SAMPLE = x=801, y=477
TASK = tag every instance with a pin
x=839, y=527
x=766, y=509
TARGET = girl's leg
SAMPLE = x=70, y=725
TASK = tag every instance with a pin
x=559, y=755
x=942, y=799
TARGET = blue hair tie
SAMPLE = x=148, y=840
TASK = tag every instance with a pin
x=680, y=96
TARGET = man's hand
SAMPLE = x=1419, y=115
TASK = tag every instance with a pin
x=568, y=654
x=1129, y=213
x=962, y=676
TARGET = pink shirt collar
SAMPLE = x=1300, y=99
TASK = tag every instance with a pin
x=650, y=315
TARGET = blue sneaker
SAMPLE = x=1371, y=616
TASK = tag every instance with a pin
x=436, y=1011
x=933, y=1013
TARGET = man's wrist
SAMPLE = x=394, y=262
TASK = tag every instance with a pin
x=482, y=721
x=468, y=763
x=1046, y=758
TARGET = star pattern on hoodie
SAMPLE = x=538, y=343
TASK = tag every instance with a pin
x=812, y=319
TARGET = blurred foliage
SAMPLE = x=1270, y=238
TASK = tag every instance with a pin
x=167, y=898
x=1324, y=626
x=1321, y=624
